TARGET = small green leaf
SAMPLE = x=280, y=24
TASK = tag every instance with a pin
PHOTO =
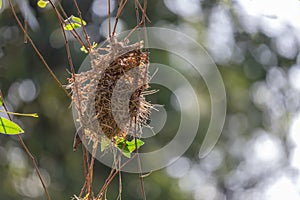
x=83, y=49
x=68, y=27
x=76, y=25
x=104, y=143
x=9, y=127
x=42, y=4
x=0, y=4
x=78, y=20
x=94, y=45
x=127, y=154
x=129, y=146
x=132, y=146
x=71, y=26
x=1, y=100
x=122, y=145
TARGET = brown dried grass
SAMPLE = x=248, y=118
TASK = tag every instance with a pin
x=109, y=97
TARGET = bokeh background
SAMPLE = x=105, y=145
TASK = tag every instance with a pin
x=255, y=44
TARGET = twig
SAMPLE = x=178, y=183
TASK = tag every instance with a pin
x=139, y=161
x=67, y=48
x=114, y=172
x=119, y=12
x=29, y=154
x=85, y=168
x=108, y=15
x=62, y=21
x=84, y=29
x=26, y=29
x=36, y=50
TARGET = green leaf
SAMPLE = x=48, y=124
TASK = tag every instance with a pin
x=1, y=100
x=78, y=20
x=42, y=4
x=127, y=154
x=83, y=49
x=71, y=26
x=73, y=22
x=0, y=4
x=129, y=146
x=9, y=127
x=94, y=45
x=132, y=146
x=104, y=143
x=122, y=145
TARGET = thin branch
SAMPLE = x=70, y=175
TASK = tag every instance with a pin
x=65, y=38
x=29, y=153
x=62, y=21
x=26, y=29
x=119, y=12
x=114, y=172
x=120, y=186
x=84, y=29
x=137, y=15
x=139, y=160
x=143, y=9
x=35, y=48
x=90, y=172
x=108, y=15
x=67, y=49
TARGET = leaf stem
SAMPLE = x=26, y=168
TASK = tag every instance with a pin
x=35, y=115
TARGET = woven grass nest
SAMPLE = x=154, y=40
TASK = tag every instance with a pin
x=110, y=96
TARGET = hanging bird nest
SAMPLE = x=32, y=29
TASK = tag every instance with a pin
x=110, y=96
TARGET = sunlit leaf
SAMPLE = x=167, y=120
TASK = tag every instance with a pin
x=94, y=45
x=129, y=146
x=1, y=100
x=120, y=143
x=0, y=4
x=123, y=147
x=83, y=49
x=73, y=22
x=134, y=144
x=78, y=20
x=42, y=4
x=71, y=26
x=104, y=143
x=9, y=127
x=76, y=25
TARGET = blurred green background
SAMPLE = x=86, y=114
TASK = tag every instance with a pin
x=255, y=44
